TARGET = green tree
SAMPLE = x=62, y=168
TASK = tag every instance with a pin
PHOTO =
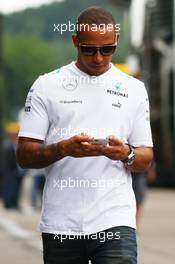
x=27, y=57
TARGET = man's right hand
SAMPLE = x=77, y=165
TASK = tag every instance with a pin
x=33, y=153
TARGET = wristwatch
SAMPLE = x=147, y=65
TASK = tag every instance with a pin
x=131, y=157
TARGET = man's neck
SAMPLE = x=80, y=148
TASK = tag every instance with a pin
x=83, y=69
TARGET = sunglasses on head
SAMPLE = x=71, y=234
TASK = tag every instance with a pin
x=105, y=50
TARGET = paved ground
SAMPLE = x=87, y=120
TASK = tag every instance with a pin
x=157, y=236
x=17, y=252
x=20, y=241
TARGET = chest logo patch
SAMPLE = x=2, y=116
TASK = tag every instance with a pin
x=118, y=86
x=69, y=84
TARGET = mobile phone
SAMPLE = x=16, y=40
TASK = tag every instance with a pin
x=100, y=141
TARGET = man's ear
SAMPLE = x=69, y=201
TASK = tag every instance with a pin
x=117, y=37
x=75, y=40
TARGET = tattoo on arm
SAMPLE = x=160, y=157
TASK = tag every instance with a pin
x=32, y=153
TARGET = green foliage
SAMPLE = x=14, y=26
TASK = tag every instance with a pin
x=26, y=57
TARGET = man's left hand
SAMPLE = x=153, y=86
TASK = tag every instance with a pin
x=116, y=149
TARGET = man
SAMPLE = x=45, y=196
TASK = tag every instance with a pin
x=83, y=219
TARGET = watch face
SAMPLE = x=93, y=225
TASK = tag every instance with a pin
x=131, y=157
x=131, y=160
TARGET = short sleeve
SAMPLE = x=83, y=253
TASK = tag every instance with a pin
x=141, y=130
x=35, y=122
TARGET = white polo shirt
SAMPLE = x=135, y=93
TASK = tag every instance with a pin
x=89, y=194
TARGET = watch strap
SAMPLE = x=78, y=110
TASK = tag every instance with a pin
x=130, y=159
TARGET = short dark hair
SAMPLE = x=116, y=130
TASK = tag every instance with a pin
x=95, y=15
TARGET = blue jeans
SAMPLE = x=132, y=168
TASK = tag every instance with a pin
x=116, y=245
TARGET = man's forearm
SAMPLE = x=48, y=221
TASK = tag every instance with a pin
x=143, y=159
x=37, y=155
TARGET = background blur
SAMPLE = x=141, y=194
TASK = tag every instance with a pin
x=29, y=46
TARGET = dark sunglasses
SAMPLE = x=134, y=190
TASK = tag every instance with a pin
x=90, y=50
